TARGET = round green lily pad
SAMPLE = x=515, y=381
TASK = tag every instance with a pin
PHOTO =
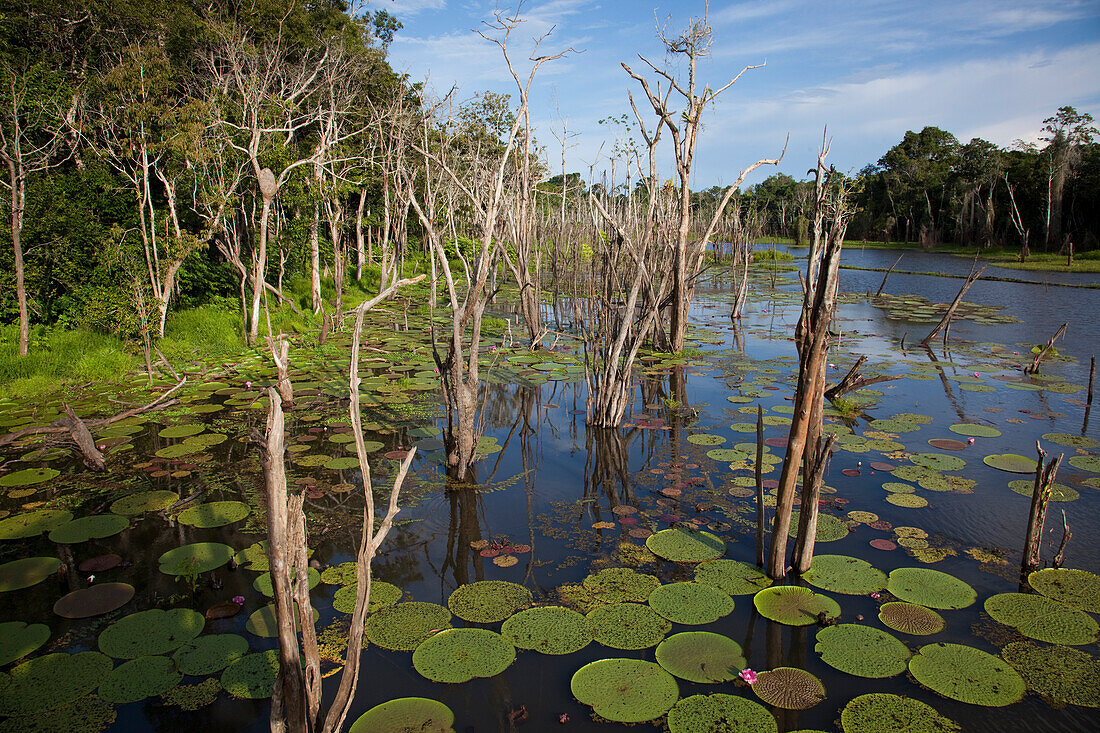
x=210, y=653
x=1058, y=492
x=974, y=430
x=705, y=439
x=878, y=712
x=701, y=656
x=911, y=618
x=727, y=455
x=720, y=712
x=1042, y=618
x=938, y=461
x=548, y=629
x=342, y=463
x=406, y=714
x=794, y=606
x=138, y=679
x=179, y=450
x=150, y=632
x=95, y=600
x=87, y=528
x=967, y=674
x=403, y=626
x=681, y=545
x=789, y=688
x=214, y=514
x=625, y=690
x=28, y=477
x=89, y=714
x=145, y=501
x=627, y=625
x=863, y=651
x=843, y=574
x=18, y=639
x=908, y=501
x=342, y=574
x=198, y=557
x=51, y=681
x=488, y=601
x=262, y=622
x=930, y=588
x=181, y=431
x=262, y=583
x=1072, y=441
x=1010, y=462
x=252, y=677
x=615, y=585
x=1086, y=463
x=690, y=603
x=732, y=576
x=29, y=571
x=1061, y=673
x=1077, y=588
x=30, y=524
x=382, y=594
x=460, y=655
x=829, y=528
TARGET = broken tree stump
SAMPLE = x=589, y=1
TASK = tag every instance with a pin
x=813, y=478
x=1033, y=368
x=1045, y=473
x=93, y=459
x=884, y=277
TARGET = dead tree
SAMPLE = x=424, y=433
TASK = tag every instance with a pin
x=1045, y=473
x=945, y=322
x=759, y=475
x=1033, y=368
x=853, y=380
x=813, y=475
x=887, y=275
x=819, y=290
x=82, y=437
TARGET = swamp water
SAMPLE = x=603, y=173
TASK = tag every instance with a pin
x=556, y=508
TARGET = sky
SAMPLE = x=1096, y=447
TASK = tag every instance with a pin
x=869, y=71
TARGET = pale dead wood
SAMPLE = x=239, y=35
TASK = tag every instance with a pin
x=812, y=479
x=1033, y=368
x=1045, y=474
x=972, y=278
x=84, y=441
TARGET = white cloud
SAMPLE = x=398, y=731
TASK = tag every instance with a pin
x=407, y=8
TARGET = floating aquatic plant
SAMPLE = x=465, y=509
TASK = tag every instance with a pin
x=1010, y=462
x=615, y=585
x=1061, y=673
x=460, y=655
x=879, y=712
x=863, y=651
x=30, y=524
x=548, y=629
x=29, y=571
x=87, y=528
x=974, y=430
x=789, y=688
x=701, y=656
x=198, y=557
x=181, y=431
x=732, y=576
x=911, y=618
x=829, y=528
x=705, y=439
x=930, y=588
x=406, y=714
x=1077, y=588
x=690, y=603
x=214, y=514
x=209, y=654
x=144, y=501
x=262, y=583
x=342, y=574
x=1058, y=492
x=262, y=622
x=720, y=712
x=88, y=714
x=844, y=574
x=625, y=690
x=1042, y=618
x=138, y=679
x=967, y=674
x=488, y=601
x=682, y=545
x=382, y=594
x=51, y=681
x=252, y=677
x=28, y=477
x=402, y=627
x=794, y=606
x=18, y=639
x=94, y=600
x=150, y=632
x=193, y=697
x=627, y=625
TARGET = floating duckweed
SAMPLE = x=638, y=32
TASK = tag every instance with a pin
x=789, y=688
x=460, y=655
x=720, y=712
x=403, y=626
x=138, y=679
x=1061, y=673
x=548, y=629
x=690, y=603
x=1042, y=618
x=50, y=681
x=252, y=677
x=732, y=576
x=843, y=574
x=1077, y=588
x=910, y=618
x=615, y=585
x=406, y=714
x=701, y=656
x=627, y=625
x=879, y=712
x=967, y=674
x=930, y=588
x=863, y=651
x=794, y=606
x=488, y=601
x=625, y=690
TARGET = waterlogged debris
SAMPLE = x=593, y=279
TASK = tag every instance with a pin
x=1059, y=673
x=844, y=574
x=863, y=651
x=699, y=713
x=1077, y=588
x=911, y=618
x=701, y=656
x=789, y=688
x=967, y=674
x=795, y=606
x=627, y=625
x=138, y=679
x=18, y=639
x=690, y=603
x=406, y=714
x=625, y=690
x=1042, y=618
x=51, y=681
x=252, y=677
x=879, y=712
x=460, y=655
x=24, y=573
x=488, y=601
x=930, y=588
x=94, y=600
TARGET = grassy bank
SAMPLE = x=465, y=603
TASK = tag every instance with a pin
x=1007, y=258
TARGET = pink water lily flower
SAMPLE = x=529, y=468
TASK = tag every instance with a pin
x=563, y=718
x=876, y=595
x=239, y=600
x=748, y=675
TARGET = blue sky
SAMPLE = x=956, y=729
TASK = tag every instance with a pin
x=869, y=70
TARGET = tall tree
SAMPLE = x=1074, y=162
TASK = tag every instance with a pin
x=1067, y=131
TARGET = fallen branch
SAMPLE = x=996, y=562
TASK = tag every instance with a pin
x=1034, y=367
x=1066, y=537
x=880, y=287
x=972, y=278
x=93, y=459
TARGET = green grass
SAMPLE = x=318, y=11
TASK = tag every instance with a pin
x=1007, y=258
x=58, y=358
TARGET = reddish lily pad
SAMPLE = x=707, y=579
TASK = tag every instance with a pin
x=94, y=600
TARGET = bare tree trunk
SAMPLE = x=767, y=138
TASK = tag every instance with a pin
x=315, y=258
x=884, y=277
x=812, y=479
x=972, y=278
x=1040, y=497
x=1033, y=368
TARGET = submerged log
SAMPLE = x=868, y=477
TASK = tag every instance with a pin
x=82, y=437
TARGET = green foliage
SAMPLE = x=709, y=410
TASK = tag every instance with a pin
x=209, y=331
x=58, y=359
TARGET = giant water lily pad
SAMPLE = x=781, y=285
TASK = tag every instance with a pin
x=627, y=625
x=145, y=501
x=210, y=653
x=51, y=681
x=930, y=588
x=28, y=477
x=1060, y=673
x=1077, y=588
x=18, y=639
x=406, y=714
x=974, y=430
x=1071, y=441
x=29, y=571
x=403, y=626
x=263, y=622
x=1086, y=463
x=843, y=574
x=488, y=601
x=95, y=600
x=682, y=545
x=181, y=431
x=967, y=674
x=794, y=606
x=878, y=712
x=214, y=514
x=198, y=557
x=33, y=523
x=615, y=585
x=87, y=528
x=829, y=528
x=732, y=576
x=720, y=712
x=263, y=582
x=625, y=690
x=89, y=714
x=150, y=632
x=1042, y=618
x=382, y=594
x=706, y=439
x=911, y=618
x=1058, y=492
x=701, y=656
x=252, y=677
x=548, y=629
x=138, y=679
x=938, y=461
x=1010, y=462
x=789, y=688
x=690, y=603
x=863, y=651
x=460, y=655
